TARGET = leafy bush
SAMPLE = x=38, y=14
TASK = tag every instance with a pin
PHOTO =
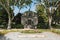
x=3, y=26
x=18, y=26
x=42, y=26
x=56, y=26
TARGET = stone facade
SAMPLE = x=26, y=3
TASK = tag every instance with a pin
x=29, y=19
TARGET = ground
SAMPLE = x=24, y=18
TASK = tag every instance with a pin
x=37, y=36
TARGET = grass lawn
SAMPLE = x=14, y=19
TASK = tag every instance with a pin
x=3, y=32
x=56, y=31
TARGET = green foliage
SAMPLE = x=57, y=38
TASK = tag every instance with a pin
x=3, y=18
x=23, y=3
x=18, y=26
x=28, y=2
x=42, y=26
x=42, y=16
x=40, y=8
x=56, y=26
x=49, y=3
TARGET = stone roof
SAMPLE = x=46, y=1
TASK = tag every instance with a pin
x=27, y=13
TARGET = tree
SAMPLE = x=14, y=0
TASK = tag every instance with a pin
x=17, y=18
x=6, y=4
x=47, y=4
x=58, y=11
x=42, y=16
x=3, y=18
x=23, y=3
x=50, y=10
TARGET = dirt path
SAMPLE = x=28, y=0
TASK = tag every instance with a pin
x=39, y=36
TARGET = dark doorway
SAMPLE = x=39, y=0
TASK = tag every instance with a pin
x=29, y=22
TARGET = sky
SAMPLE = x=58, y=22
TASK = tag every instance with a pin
x=33, y=6
x=25, y=9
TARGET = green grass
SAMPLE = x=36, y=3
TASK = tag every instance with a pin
x=56, y=31
x=3, y=32
x=32, y=31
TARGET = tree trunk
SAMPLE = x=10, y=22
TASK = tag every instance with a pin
x=9, y=22
x=50, y=20
x=9, y=15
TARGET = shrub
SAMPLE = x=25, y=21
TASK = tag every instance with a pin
x=42, y=26
x=18, y=26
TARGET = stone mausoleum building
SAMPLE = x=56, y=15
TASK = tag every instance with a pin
x=29, y=19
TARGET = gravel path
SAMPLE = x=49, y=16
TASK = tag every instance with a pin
x=39, y=36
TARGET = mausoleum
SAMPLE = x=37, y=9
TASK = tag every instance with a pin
x=29, y=19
